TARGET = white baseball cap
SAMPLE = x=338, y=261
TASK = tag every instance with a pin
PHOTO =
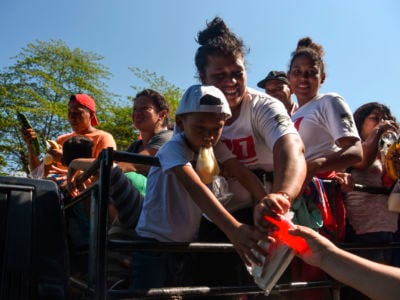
x=203, y=98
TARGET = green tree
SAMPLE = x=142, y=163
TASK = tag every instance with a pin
x=119, y=124
x=39, y=84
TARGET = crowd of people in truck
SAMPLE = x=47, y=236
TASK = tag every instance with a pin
x=273, y=154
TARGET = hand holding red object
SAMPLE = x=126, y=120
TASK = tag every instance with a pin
x=284, y=225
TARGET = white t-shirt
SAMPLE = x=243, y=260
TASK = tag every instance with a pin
x=169, y=214
x=321, y=122
x=251, y=137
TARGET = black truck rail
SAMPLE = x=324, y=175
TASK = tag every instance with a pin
x=100, y=245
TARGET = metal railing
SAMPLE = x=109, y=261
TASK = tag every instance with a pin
x=100, y=244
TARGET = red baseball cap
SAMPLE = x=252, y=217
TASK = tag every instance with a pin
x=87, y=101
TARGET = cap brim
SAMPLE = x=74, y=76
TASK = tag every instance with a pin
x=261, y=84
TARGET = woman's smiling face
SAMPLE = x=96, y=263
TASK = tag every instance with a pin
x=305, y=78
x=228, y=73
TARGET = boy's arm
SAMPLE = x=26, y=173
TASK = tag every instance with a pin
x=246, y=178
x=242, y=236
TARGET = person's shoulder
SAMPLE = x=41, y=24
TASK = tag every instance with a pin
x=331, y=96
x=62, y=138
x=260, y=98
x=175, y=142
x=175, y=151
x=261, y=101
x=131, y=148
x=166, y=133
x=255, y=95
x=103, y=132
x=105, y=135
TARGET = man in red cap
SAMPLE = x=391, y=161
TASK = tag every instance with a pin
x=86, y=101
x=82, y=118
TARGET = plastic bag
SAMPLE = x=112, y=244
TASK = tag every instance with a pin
x=207, y=165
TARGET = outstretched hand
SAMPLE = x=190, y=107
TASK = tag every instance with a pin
x=244, y=238
x=317, y=245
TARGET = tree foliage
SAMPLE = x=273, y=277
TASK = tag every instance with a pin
x=39, y=84
x=119, y=124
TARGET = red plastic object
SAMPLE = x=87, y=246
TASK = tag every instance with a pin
x=297, y=243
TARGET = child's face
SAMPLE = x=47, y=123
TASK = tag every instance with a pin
x=202, y=129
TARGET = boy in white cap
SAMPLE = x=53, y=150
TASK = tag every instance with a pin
x=176, y=197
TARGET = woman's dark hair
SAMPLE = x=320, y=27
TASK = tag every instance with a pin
x=217, y=39
x=306, y=47
x=76, y=147
x=366, y=109
x=159, y=102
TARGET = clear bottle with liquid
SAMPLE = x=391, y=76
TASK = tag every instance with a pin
x=386, y=140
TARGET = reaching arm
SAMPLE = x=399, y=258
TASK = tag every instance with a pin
x=150, y=148
x=289, y=165
x=375, y=280
x=242, y=236
x=289, y=175
x=350, y=153
x=246, y=178
x=138, y=168
x=77, y=166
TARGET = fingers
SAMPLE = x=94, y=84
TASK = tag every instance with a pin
x=28, y=134
x=253, y=255
x=345, y=181
x=274, y=204
x=56, y=153
x=270, y=205
x=58, y=170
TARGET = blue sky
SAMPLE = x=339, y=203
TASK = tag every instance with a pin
x=361, y=38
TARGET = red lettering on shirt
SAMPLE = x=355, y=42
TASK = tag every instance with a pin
x=243, y=148
x=297, y=123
